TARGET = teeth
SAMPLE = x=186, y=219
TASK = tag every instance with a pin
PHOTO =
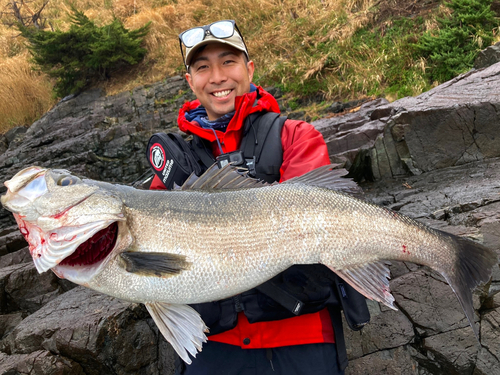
x=220, y=94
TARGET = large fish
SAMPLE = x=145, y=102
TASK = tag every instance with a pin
x=223, y=234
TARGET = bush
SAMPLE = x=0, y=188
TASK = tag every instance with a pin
x=85, y=53
x=453, y=48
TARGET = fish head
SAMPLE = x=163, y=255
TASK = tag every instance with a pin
x=38, y=192
x=67, y=221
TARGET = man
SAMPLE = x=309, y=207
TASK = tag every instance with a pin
x=257, y=332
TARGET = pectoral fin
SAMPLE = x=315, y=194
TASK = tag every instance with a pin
x=154, y=264
x=181, y=326
x=371, y=280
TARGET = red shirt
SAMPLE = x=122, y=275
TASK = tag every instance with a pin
x=304, y=149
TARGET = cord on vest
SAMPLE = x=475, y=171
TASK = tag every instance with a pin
x=269, y=356
x=218, y=143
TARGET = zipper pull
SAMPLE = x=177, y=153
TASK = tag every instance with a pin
x=269, y=356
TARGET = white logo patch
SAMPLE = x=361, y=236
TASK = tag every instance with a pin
x=157, y=156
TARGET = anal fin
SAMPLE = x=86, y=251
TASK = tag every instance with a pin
x=181, y=326
x=371, y=280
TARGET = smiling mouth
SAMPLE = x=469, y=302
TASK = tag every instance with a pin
x=221, y=94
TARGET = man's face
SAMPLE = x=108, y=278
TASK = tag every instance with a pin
x=218, y=74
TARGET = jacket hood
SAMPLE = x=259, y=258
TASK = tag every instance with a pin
x=257, y=101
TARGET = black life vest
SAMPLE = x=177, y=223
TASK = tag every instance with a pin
x=260, y=147
x=173, y=159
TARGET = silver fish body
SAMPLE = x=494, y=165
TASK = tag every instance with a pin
x=237, y=240
x=206, y=243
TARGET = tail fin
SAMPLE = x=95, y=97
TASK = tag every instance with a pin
x=474, y=264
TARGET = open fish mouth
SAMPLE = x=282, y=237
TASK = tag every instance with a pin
x=85, y=245
x=90, y=256
x=95, y=249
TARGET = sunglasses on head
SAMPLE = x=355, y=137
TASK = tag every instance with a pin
x=220, y=30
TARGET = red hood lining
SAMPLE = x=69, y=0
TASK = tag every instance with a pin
x=244, y=105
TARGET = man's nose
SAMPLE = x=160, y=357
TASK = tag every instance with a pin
x=218, y=75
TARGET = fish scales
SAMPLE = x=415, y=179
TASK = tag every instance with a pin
x=201, y=243
x=230, y=250
x=240, y=245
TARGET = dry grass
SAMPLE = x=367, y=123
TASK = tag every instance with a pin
x=286, y=39
x=24, y=93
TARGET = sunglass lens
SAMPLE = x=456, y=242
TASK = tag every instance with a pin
x=193, y=36
x=222, y=29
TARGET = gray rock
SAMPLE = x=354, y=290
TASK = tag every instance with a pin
x=452, y=124
x=486, y=364
x=387, y=329
x=298, y=115
x=11, y=240
x=488, y=56
x=388, y=362
x=39, y=362
x=432, y=307
x=274, y=91
x=17, y=257
x=335, y=107
x=346, y=135
x=16, y=132
x=459, y=358
x=24, y=289
x=8, y=322
x=490, y=334
x=100, y=333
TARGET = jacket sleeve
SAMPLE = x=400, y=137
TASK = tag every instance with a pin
x=304, y=149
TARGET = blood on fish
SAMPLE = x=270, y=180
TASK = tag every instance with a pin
x=60, y=214
x=405, y=250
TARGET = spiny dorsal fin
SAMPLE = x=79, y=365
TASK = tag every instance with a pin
x=228, y=177
x=231, y=177
x=329, y=177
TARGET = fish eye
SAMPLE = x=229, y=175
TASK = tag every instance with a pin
x=67, y=180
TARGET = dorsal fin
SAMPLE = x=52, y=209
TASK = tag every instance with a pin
x=228, y=177
x=329, y=177
x=232, y=177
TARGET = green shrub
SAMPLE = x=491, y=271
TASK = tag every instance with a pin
x=452, y=49
x=85, y=53
x=392, y=57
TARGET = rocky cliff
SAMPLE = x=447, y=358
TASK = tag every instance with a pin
x=435, y=157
